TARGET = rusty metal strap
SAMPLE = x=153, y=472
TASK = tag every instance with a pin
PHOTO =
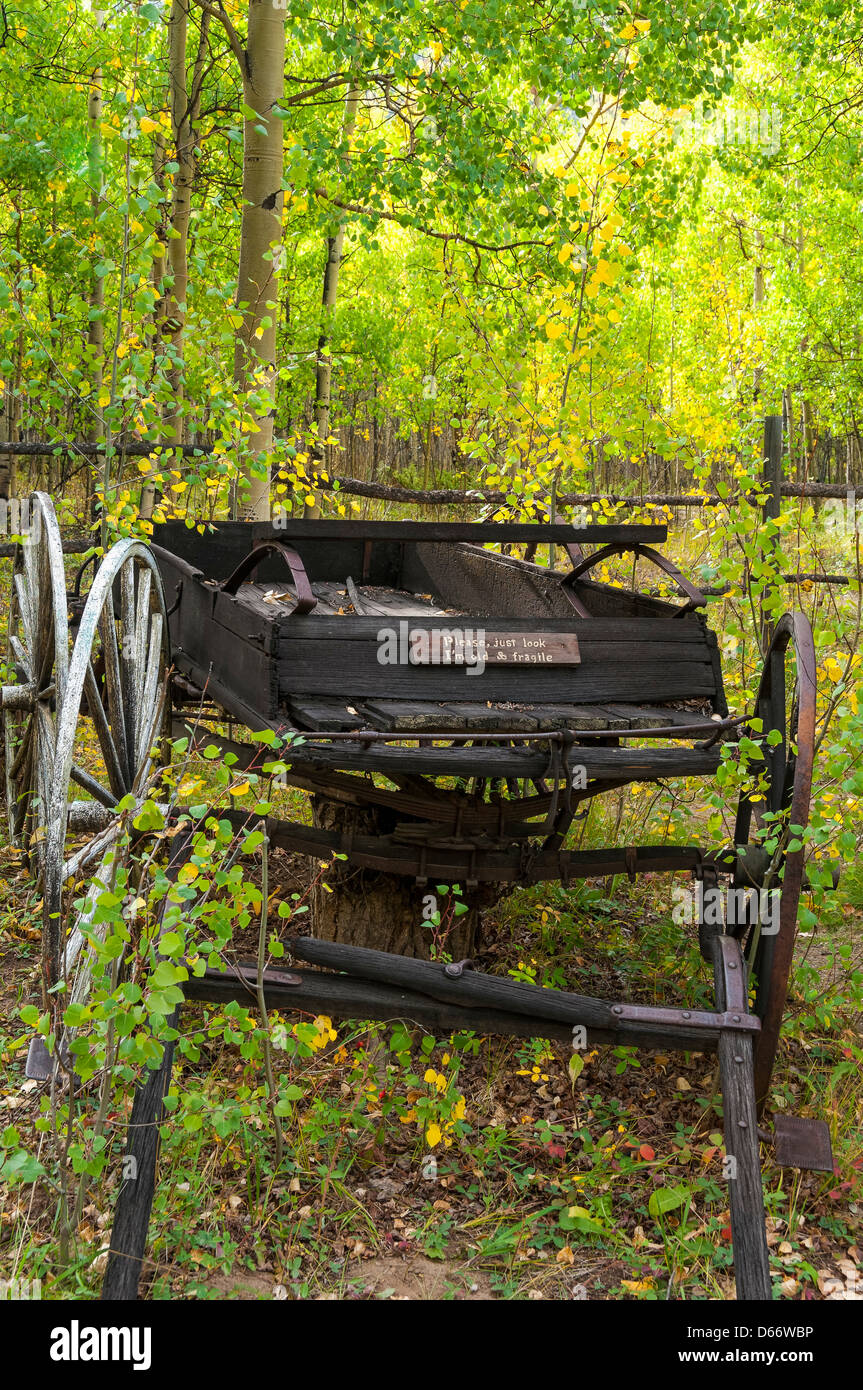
x=733, y=968
x=306, y=600
x=694, y=596
x=733, y=1020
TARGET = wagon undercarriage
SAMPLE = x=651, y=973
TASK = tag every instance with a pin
x=457, y=711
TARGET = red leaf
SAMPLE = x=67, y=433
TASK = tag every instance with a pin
x=556, y=1150
x=647, y=1153
x=725, y=1232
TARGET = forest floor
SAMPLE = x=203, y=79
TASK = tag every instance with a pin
x=542, y=1184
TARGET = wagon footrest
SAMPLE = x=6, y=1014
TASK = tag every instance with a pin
x=801, y=1142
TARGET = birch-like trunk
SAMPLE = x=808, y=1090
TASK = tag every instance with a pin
x=329, y=296
x=260, y=236
x=96, y=325
x=185, y=96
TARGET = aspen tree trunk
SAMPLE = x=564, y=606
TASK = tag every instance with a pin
x=160, y=159
x=329, y=296
x=261, y=231
x=96, y=327
x=757, y=301
x=185, y=108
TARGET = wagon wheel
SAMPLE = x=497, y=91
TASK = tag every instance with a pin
x=118, y=678
x=38, y=654
x=788, y=776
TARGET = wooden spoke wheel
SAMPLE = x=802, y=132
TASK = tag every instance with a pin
x=38, y=657
x=111, y=742
x=780, y=811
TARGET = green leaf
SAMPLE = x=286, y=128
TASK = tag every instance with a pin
x=667, y=1199
x=21, y=1167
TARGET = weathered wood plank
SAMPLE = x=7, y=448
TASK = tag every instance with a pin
x=594, y=636
x=324, y=669
x=530, y=761
x=746, y=1197
x=325, y=715
x=414, y=715
x=479, y=715
x=550, y=716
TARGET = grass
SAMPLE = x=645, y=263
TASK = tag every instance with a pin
x=545, y=1188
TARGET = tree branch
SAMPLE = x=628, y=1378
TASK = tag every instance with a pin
x=426, y=231
x=233, y=37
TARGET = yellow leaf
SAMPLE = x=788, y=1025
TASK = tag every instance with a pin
x=565, y=252
x=239, y=790
x=104, y=398
x=571, y=190
x=629, y=32
x=554, y=330
x=642, y=25
x=148, y=126
x=188, y=873
x=309, y=500
x=433, y=1135
x=637, y=1285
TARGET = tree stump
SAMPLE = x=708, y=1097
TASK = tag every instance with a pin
x=360, y=907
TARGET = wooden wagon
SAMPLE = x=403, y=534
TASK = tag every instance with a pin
x=469, y=701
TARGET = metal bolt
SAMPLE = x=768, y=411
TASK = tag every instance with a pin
x=738, y=1059
x=617, y=1009
x=686, y=1015
x=736, y=1018
x=732, y=965
x=741, y=1124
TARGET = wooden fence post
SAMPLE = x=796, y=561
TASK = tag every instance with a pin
x=772, y=465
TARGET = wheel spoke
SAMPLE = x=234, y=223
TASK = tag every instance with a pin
x=24, y=605
x=22, y=656
x=103, y=732
x=114, y=686
x=85, y=856
x=149, y=737
x=94, y=787
x=130, y=665
x=144, y=730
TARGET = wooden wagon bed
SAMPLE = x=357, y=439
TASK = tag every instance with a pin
x=297, y=647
